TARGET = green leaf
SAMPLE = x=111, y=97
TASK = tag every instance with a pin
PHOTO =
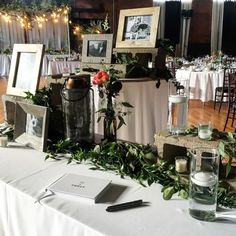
x=231, y=136
x=126, y=104
x=99, y=118
x=168, y=193
x=102, y=110
x=221, y=148
x=122, y=122
x=228, y=168
x=183, y=193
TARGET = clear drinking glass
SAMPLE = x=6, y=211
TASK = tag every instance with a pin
x=204, y=173
x=205, y=130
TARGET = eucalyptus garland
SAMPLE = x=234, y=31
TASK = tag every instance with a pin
x=139, y=162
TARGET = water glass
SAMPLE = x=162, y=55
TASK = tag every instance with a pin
x=204, y=173
x=205, y=131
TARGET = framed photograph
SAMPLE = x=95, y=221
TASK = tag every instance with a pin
x=25, y=69
x=137, y=28
x=97, y=48
x=31, y=125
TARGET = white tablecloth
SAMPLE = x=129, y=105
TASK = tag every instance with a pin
x=149, y=114
x=5, y=61
x=24, y=175
x=60, y=67
x=202, y=84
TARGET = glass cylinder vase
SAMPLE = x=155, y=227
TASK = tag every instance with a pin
x=110, y=128
x=177, y=108
x=110, y=124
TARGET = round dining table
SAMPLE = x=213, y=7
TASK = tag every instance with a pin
x=201, y=84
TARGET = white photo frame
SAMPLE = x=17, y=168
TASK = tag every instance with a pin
x=97, y=48
x=31, y=125
x=25, y=69
x=138, y=27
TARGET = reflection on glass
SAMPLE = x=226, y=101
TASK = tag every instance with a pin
x=34, y=125
x=97, y=48
x=25, y=71
x=137, y=27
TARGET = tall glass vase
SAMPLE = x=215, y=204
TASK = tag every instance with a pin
x=110, y=125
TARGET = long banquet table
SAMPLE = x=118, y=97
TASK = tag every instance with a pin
x=149, y=114
x=24, y=175
x=202, y=84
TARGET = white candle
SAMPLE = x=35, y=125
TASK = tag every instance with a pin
x=150, y=64
x=181, y=165
x=204, y=179
x=177, y=98
x=3, y=141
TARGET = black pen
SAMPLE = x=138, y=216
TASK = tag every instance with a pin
x=123, y=206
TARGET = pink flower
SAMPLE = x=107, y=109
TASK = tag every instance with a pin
x=100, y=78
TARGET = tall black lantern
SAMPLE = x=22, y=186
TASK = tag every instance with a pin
x=78, y=109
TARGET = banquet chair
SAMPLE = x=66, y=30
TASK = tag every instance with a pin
x=221, y=93
x=232, y=100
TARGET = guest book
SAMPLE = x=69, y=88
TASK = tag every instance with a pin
x=81, y=186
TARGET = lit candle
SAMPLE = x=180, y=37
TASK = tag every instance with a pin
x=150, y=64
x=3, y=141
x=180, y=164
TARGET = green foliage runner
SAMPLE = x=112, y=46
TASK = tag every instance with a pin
x=139, y=162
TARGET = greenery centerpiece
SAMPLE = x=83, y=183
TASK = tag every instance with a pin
x=138, y=162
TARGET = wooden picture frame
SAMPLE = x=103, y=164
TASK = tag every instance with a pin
x=25, y=69
x=137, y=28
x=31, y=125
x=97, y=48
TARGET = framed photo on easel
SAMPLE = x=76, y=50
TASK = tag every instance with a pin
x=137, y=28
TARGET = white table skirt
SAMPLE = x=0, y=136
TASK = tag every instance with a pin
x=149, y=114
x=24, y=175
x=202, y=84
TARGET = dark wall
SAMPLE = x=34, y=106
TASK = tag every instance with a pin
x=98, y=9
x=229, y=32
x=172, y=21
x=200, y=28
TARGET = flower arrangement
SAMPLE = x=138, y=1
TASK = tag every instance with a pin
x=217, y=57
x=109, y=87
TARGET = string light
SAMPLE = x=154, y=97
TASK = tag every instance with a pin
x=26, y=20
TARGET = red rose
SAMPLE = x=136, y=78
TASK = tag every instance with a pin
x=100, y=78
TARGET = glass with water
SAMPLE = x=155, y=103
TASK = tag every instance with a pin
x=177, y=109
x=203, y=183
